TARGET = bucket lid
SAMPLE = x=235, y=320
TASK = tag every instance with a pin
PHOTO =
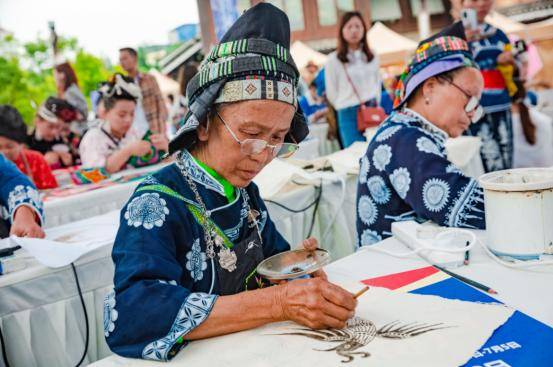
x=519, y=179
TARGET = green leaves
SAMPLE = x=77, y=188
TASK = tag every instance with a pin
x=26, y=74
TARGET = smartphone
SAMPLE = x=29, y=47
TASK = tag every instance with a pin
x=469, y=19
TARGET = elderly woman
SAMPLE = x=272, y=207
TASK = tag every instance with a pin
x=193, y=234
x=405, y=172
x=113, y=143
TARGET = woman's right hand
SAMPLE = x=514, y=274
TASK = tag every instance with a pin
x=316, y=303
x=140, y=148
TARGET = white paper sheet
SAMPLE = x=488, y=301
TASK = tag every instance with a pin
x=276, y=175
x=67, y=243
x=467, y=326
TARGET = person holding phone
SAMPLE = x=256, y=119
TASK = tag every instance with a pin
x=492, y=52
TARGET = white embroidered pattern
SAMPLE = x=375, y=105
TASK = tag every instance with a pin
x=196, y=261
x=148, y=210
x=387, y=133
x=379, y=191
x=24, y=194
x=451, y=168
x=186, y=163
x=170, y=282
x=490, y=151
x=192, y=313
x=150, y=180
x=382, y=156
x=467, y=206
x=110, y=313
x=401, y=181
x=367, y=210
x=435, y=194
x=369, y=237
x=364, y=167
x=426, y=145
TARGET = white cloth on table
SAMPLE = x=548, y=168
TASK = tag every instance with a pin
x=320, y=131
x=468, y=324
x=541, y=153
x=464, y=152
x=40, y=312
x=309, y=149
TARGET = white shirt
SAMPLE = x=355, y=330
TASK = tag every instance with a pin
x=98, y=144
x=140, y=122
x=364, y=75
x=539, y=154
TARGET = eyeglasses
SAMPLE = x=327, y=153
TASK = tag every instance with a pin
x=473, y=103
x=257, y=146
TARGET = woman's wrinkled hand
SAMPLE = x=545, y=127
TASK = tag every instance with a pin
x=311, y=244
x=315, y=303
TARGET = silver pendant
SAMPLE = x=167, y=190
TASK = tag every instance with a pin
x=219, y=240
x=252, y=215
x=227, y=259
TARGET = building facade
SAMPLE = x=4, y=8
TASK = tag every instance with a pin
x=315, y=22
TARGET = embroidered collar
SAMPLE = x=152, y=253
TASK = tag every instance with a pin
x=438, y=133
x=186, y=162
x=230, y=191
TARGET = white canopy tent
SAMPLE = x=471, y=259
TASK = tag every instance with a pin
x=166, y=84
x=506, y=24
x=391, y=47
x=302, y=54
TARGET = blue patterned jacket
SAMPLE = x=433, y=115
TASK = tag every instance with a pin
x=485, y=54
x=165, y=285
x=16, y=190
x=405, y=175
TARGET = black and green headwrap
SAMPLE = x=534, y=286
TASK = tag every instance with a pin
x=252, y=62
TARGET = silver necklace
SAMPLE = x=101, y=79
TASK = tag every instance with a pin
x=227, y=257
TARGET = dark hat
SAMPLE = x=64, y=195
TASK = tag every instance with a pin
x=252, y=62
x=445, y=51
x=11, y=124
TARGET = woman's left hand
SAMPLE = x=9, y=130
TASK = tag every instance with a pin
x=160, y=142
x=311, y=244
x=25, y=224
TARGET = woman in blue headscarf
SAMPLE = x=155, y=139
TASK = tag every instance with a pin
x=405, y=173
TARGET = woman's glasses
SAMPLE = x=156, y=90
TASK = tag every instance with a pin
x=257, y=146
x=473, y=104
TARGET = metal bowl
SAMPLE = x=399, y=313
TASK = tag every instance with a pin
x=293, y=264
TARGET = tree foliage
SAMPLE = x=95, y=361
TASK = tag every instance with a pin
x=26, y=74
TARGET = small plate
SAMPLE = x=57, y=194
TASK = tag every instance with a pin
x=293, y=264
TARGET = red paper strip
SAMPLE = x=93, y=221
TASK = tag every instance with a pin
x=398, y=280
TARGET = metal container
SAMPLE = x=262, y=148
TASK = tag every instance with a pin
x=519, y=212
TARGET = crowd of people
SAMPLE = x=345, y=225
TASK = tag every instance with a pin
x=193, y=233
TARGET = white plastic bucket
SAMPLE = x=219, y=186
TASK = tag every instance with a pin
x=519, y=212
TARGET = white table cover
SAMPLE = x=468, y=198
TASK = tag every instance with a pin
x=40, y=312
